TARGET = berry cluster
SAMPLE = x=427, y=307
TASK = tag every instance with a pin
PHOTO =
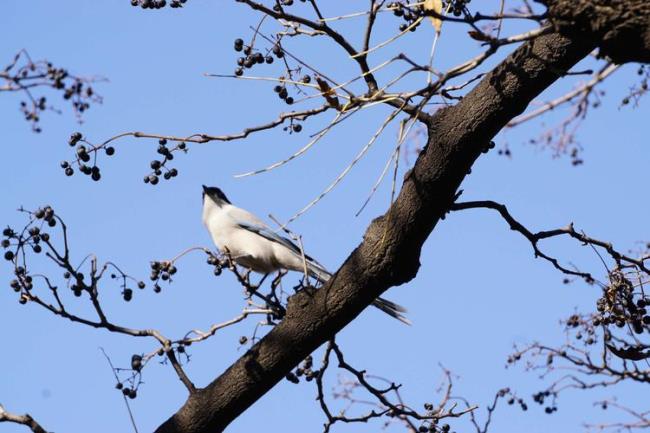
x=617, y=305
x=304, y=370
x=407, y=13
x=31, y=237
x=542, y=396
x=158, y=4
x=640, y=89
x=86, y=151
x=520, y=401
x=157, y=166
x=281, y=90
x=34, y=237
x=127, y=292
x=23, y=281
x=252, y=57
x=134, y=381
x=161, y=271
x=83, y=156
x=432, y=425
x=584, y=326
x=457, y=7
x=26, y=76
x=218, y=264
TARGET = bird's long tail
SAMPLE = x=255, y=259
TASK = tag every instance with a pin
x=388, y=307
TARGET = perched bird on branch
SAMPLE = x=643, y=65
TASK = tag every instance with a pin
x=253, y=245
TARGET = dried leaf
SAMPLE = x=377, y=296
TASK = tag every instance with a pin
x=328, y=93
x=436, y=6
x=479, y=36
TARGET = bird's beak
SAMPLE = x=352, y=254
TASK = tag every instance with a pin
x=205, y=189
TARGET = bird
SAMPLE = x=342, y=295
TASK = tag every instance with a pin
x=251, y=243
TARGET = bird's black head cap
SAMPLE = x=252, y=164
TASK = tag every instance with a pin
x=215, y=194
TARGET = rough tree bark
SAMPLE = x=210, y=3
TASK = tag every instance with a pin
x=622, y=27
x=389, y=253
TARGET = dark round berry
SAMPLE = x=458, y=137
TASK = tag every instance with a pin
x=9, y=255
x=69, y=171
x=110, y=151
x=269, y=59
x=74, y=138
x=297, y=127
x=136, y=362
x=127, y=294
x=239, y=72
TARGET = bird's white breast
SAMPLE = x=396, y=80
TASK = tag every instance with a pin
x=247, y=249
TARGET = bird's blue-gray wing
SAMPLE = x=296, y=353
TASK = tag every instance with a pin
x=266, y=233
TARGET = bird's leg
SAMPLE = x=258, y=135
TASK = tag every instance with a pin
x=247, y=278
x=275, y=283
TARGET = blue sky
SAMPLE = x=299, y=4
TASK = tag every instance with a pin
x=478, y=292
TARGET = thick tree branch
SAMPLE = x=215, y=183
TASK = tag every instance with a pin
x=389, y=253
x=25, y=420
x=622, y=27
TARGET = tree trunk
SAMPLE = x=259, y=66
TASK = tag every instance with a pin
x=389, y=253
